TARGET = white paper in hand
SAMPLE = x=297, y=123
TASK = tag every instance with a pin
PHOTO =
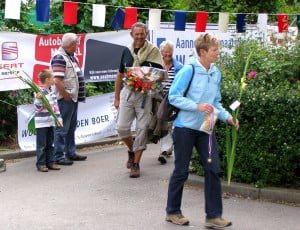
x=235, y=105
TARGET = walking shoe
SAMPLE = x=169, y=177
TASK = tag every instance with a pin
x=217, y=223
x=53, y=167
x=178, y=219
x=135, y=170
x=130, y=159
x=64, y=161
x=77, y=157
x=42, y=168
x=162, y=158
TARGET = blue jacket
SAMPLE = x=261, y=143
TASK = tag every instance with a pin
x=205, y=88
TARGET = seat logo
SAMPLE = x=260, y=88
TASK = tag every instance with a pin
x=9, y=51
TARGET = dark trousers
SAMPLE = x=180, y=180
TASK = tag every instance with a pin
x=44, y=146
x=184, y=141
x=65, y=136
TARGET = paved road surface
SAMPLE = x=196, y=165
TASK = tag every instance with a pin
x=98, y=194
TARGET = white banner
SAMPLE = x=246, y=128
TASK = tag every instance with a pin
x=96, y=120
x=17, y=52
x=99, y=54
x=184, y=40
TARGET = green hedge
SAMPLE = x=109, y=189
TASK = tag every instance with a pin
x=8, y=112
x=268, y=149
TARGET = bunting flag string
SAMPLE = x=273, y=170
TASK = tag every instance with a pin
x=98, y=18
x=262, y=22
x=42, y=10
x=12, y=9
x=118, y=19
x=125, y=17
x=70, y=13
x=180, y=20
x=283, y=23
x=241, y=23
x=130, y=17
x=154, y=19
x=223, y=22
x=201, y=21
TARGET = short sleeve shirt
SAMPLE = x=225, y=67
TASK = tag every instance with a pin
x=58, y=65
x=126, y=60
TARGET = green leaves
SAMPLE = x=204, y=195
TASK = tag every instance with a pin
x=31, y=124
x=267, y=151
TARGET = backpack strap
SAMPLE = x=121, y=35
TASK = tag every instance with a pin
x=193, y=73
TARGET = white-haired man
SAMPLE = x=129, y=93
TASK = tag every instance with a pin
x=70, y=89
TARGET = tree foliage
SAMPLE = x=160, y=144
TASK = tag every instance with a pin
x=22, y=25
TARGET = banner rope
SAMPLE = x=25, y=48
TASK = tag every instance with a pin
x=168, y=10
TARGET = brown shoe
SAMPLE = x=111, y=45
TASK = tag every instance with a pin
x=42, y=168
x=135, y=170
x=217, y=223
x=178, y=219
x=53, y=167
x=130, y=159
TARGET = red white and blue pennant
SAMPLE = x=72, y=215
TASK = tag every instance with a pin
x=125, y=18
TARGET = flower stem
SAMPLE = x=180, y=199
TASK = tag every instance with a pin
x=231, y=133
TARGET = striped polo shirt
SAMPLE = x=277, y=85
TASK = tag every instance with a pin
x=58, y=64
x=42, y=117
x=168, y=82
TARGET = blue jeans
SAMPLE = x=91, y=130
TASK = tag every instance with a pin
x=184, y=141
x=44, y=146
x=64, y=140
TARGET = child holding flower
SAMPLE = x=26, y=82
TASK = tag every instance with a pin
x=45, y=123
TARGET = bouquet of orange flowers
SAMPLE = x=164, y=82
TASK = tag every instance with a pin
x=145, y=79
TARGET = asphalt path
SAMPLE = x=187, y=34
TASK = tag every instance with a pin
x=98, y=194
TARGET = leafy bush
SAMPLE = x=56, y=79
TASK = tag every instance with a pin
x=8, y=112
x=98, y=88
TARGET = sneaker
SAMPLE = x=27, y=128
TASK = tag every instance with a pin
x=53, y=167
x=77, y=157
x=217, y=223
x=178, y=219
x=42, y=168
x=135, y=171
x=130, y=159
x=162, y=158
x=64, y=161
